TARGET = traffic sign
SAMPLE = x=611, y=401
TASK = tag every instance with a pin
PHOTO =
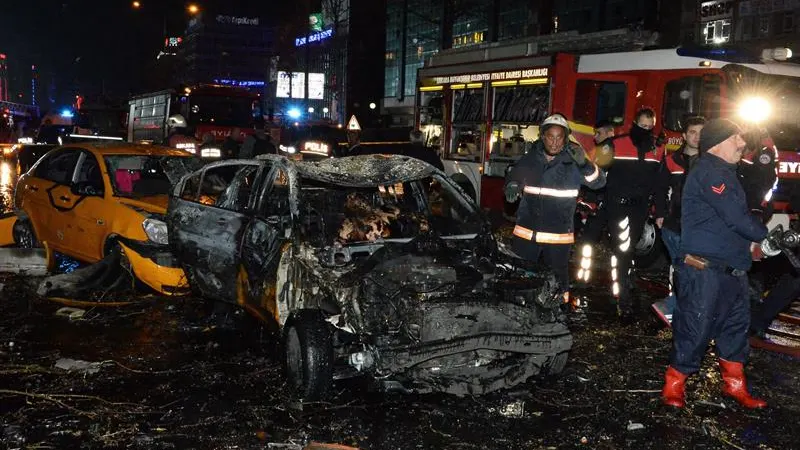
x=353, y=124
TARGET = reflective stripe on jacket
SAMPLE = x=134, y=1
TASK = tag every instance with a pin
x=549, y=194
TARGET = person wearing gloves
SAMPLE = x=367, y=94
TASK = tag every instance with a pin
x=717, y=230
x=632, y=179
x=547, y=179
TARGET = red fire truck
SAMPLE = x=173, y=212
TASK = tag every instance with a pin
x=482, y=106
x=206, y=109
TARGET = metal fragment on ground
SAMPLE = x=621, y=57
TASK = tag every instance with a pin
x=77, y=365
x=70, y=312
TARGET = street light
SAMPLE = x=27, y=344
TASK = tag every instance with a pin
x=372, y=105
x=193, y=9
x=136, y=5
x=325, y=110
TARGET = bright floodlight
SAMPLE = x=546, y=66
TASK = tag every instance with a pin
x=754, y=109
x=294, y=113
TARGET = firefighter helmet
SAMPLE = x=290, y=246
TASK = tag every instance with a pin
x=556, y=119
x=604, y=153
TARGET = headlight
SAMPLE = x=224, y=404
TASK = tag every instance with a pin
x=288, y=149
x=754, y=109
x=156, y=231
x=210, y=153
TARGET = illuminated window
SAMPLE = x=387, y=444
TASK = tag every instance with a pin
x=717, y=31
x=389, y=56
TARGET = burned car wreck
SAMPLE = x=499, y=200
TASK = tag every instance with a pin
x=375, y=265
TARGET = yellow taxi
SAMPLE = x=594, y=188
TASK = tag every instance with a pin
x=90, y=201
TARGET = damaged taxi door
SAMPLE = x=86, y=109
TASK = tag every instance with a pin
x=263, y=244
x=211, y=228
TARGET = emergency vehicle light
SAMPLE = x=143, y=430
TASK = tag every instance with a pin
x=754, y=109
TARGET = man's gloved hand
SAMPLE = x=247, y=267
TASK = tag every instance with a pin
x=577, y=154
x=661, y=139
x=512, y=191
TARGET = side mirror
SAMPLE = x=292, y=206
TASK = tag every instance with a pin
x=87, y=189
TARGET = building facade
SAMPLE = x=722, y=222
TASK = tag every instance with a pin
x=418, y=29
x=756, y=23
x=3, y=78
x=218, y=47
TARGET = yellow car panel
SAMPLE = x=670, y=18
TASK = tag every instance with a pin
x=7, y=229
x=79, y=224
x=166, y=280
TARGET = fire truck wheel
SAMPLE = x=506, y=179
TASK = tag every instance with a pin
x=650, y=251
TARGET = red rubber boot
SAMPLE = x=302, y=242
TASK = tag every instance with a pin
x=674, y=388
x=736, y=386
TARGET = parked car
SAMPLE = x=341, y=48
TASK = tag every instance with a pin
x=91, y=201
x=375, y=265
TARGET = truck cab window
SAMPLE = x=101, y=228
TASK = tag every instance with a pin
x=690, y=96
x=597, y=100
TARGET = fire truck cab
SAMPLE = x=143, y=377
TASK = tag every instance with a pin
x=481, y=107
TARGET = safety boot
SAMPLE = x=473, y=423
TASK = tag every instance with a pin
x=674, y=391
x=736, y=385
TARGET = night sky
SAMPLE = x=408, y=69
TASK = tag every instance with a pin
x=101, y=46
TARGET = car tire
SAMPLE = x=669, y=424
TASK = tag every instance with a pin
x=23, y=234
x=308, y=355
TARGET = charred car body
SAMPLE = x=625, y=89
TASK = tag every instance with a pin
x=372, y=264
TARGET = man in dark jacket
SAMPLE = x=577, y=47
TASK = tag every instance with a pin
x=717, y=230
x=673, y=176
x=632, y=179
x=548, y=178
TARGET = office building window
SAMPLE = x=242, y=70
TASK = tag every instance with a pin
x=763, y=26
x=717, y=31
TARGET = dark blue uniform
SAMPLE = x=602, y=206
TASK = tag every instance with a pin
x=713, y=303
x=545, y=217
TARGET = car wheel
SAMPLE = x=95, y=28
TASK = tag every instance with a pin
x=308, y=355
x=24, y=235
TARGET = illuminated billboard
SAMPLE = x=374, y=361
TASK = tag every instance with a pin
x=316, y=85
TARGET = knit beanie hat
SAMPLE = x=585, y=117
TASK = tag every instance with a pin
x=716, y=131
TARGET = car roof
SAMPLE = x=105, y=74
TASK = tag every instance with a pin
x=360, y=171
x=125, y=148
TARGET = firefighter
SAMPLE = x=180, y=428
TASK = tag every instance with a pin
x=632, y=179
x=717, y=230
x=673, y=176
x=548, y=178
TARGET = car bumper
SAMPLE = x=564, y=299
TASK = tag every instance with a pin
x=156, y=267
x=552, y=340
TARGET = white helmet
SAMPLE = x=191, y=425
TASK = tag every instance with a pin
x=556, y=119
x=176, y=121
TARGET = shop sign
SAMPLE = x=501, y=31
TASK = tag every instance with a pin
x=719, y=9
x=492, y=76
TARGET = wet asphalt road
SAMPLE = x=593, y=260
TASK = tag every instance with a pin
x=169, y=377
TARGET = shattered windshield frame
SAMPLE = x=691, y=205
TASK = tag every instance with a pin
x=334, y=213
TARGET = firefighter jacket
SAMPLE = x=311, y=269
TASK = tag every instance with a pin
x=758, y=173
x=716, y=222
x=672, y=178
x=635, y=173
x=549, y=194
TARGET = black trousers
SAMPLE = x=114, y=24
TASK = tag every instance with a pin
x=554, y=256
x=711, y=305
